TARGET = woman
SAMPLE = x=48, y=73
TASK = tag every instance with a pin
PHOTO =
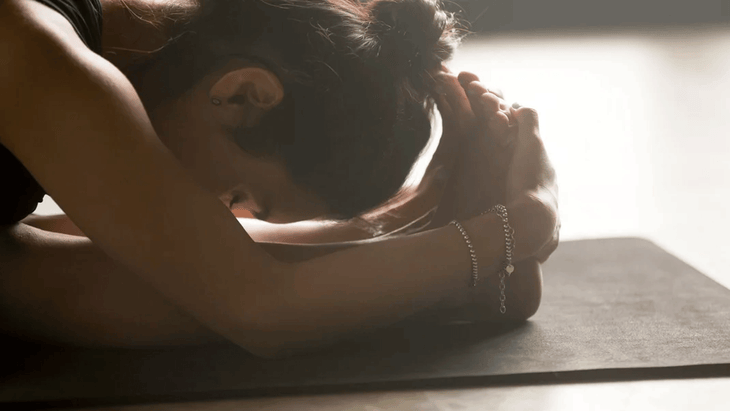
x=309, y=110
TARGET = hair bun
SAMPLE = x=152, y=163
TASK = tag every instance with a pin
x=414, y=35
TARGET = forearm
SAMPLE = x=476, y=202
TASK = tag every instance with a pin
x=523, y=292
x=373, y=285
x=524, y=288
x=295, y=253
x=59, y=223
x=408, y=214
x=303, y=233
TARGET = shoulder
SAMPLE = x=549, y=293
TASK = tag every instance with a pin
x=29, y=28
x=65, y=111
x=40, y=52
x=49, y=76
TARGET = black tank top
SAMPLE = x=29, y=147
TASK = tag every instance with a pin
x=20, y=193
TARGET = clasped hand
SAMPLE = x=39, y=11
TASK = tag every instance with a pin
x=491, y=153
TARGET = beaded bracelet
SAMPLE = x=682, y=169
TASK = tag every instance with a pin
x=509, y=239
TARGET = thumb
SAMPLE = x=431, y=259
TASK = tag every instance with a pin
x=526, y=116
x=527, y=121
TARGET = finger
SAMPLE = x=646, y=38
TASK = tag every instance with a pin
x=466, y=77
x=490, y=109
x=457, y=118
x=456, y=96
x=492, y=112
x=528, y=130
x=475, y=89
x=526, y=117
x=491, y=104
x=482, y=99
x=445, y=87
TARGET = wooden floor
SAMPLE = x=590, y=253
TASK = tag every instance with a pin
x=637, y=124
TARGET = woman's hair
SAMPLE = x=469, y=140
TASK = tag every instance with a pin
x=357, y=81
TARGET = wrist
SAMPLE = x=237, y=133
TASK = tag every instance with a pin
x=487, y=235
x=534, y=221
x=491, y=247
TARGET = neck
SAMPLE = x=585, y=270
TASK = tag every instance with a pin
x=133, y=29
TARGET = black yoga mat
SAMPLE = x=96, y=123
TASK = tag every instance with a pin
x=613, y=309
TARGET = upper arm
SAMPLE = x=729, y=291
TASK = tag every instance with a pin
x=53, y=223
x=78, y=126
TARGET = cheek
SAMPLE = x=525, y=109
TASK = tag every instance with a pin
x=216, y=163
x=201, y=149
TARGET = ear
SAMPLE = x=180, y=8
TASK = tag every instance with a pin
x=243, y=95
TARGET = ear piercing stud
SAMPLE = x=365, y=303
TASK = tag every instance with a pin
x=215, y=101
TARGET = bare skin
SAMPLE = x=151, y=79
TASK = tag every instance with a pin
x=150, y=274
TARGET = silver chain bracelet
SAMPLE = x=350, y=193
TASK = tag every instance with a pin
x=506, y=268
x=472, y=253
x=509, y=247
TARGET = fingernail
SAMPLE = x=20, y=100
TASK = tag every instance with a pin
x=516, y=105
x=471, y=91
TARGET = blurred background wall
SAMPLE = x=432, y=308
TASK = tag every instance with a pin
x=506, y=15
